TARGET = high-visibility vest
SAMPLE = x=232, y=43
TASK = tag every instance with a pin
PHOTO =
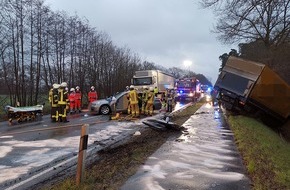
x=145, y=95
x=156, y=90
x=62, y=96
x=54, y=98
x=133, y=98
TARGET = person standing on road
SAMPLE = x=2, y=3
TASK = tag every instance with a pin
x=133, y=99
x=144, y=99
x=92, y=95
x=169, y=101
x=78, y=99
x=72, y=100
x=62, y=102
x=149, y=105
x=53, y=98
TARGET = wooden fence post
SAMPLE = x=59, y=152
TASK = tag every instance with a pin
x=82, y=154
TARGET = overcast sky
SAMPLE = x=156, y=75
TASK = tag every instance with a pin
x=166, y=32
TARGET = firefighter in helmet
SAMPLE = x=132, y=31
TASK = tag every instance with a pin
x=133, y=99
x=92, y=95
x=78, y=99
x=53, y=99
x=150, y=101
x=72, y=100
x=144, y=99
x=62, y=102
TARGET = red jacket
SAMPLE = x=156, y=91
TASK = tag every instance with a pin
x=78, y=95
x=72, y=97
x=93, y=95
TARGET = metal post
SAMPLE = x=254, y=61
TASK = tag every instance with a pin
x=82, y=154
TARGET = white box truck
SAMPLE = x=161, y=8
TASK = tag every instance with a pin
x=153, y=78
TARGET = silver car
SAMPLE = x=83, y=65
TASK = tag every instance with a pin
x=118, y=101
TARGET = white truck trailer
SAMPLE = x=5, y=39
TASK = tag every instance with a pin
x=153, y=78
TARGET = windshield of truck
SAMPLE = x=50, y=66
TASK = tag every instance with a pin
x=234, y=83
x=184, y=84
x=142, y=81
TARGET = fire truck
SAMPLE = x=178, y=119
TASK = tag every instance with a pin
x=187, y=89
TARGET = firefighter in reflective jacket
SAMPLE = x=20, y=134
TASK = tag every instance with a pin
x=92, y=95
x=53, y=99
x=71, y=99
x=133, y=99
x=78, y=99
x=144, y=99
x=149, y=105
x=62, y=102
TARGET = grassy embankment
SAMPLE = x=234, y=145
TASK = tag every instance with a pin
x=266, y=155
x=118, y=164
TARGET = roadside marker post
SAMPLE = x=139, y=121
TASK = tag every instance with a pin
x=82, y=154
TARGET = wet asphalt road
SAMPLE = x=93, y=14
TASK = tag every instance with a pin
x=204, y=157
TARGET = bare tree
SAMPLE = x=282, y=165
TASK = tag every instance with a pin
x=243, y=20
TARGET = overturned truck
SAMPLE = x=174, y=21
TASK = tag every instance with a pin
x=253, y=87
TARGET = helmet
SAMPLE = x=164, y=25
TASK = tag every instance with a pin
x=77, y=87
x=63, y=84
x=55, y=86
x=131, y=87
x=72, y=89
x=151, y=88
x=92, y=87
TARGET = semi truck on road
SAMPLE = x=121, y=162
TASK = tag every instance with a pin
x=153, y=78
x=252, y=86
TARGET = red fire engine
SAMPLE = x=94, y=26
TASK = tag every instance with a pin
x=187, y=89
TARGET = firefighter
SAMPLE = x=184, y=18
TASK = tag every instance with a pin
x=92, y=95
x=169, y=100
x=150, y=101
x=71, y=99
x=78, y=99
x=133, y=99
x=53, y=98
x=62, y=102
x=144, y=99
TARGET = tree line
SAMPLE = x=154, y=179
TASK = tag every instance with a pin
x=39, y=47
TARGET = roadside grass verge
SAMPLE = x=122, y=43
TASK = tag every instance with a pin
x=117, y=165
x=266, y=155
